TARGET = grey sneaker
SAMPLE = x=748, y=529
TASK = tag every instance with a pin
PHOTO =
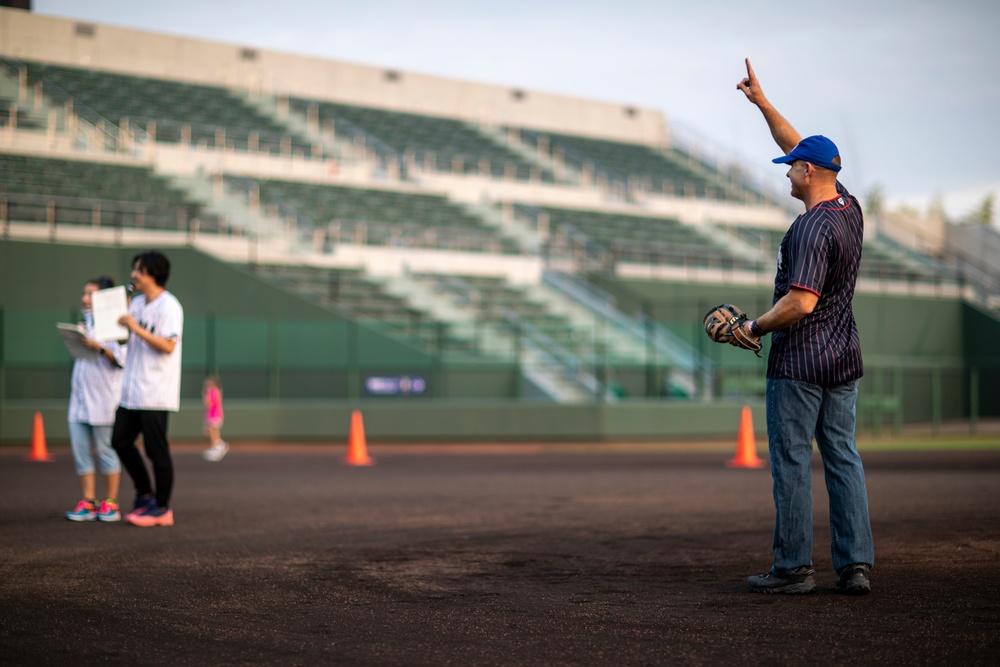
x=797, y=581
x=216, y=451
x=853, y=580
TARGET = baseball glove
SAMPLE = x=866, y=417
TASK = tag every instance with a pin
x=726, y=324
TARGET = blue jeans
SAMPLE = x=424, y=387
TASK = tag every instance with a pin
x=80, y=437
x=797, y=412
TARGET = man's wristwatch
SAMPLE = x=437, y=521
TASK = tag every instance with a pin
x=755, y=329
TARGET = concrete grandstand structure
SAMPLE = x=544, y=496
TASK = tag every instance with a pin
x=531, y=258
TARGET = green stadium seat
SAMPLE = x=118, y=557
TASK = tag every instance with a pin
x=616, y=237
x=79, y=186
x=382, y=217
x=664, y=171
x=172, y=105
x=349, y=293
x=451, y=142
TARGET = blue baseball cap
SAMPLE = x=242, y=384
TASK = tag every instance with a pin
x=817, y=150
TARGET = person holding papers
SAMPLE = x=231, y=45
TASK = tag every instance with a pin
x=151, y=388
x=95, y=388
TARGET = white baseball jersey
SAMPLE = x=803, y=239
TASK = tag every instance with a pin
x=96, y=384
x=152, y=378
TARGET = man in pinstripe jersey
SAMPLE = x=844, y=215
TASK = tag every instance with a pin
x=813, y=366
x=151, y=388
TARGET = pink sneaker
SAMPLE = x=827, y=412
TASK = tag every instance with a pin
x=141, y=506
x=85, y=510
x=108, y=511
x=154, y=516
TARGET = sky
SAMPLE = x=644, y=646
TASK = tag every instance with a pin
x=909, y=90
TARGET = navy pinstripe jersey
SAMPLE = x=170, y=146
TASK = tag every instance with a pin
x=820, y=253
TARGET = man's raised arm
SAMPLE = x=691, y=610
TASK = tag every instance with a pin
x=784, y=134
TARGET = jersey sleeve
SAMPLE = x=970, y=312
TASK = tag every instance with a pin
x=171, y=323
x=809, y=256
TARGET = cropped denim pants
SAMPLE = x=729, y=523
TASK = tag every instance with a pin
x=81, y=436
x=796, y=413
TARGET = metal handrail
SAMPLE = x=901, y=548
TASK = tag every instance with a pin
x=602, y=303
x=86, y=203
x=571, y=368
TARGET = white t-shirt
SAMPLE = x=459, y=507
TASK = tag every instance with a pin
x=96, y=384
x=153, y=379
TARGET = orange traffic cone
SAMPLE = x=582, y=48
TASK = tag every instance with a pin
x=357, y=449
x=38, y=451
x=746, y=446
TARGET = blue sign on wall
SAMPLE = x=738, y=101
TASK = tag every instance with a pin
x=395, y=385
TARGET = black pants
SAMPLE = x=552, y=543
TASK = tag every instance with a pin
x=153, y=426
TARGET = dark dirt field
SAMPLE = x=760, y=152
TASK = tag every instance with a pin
x=491, y=556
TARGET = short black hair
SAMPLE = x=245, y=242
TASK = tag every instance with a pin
x=156, y=265
x=103, y=282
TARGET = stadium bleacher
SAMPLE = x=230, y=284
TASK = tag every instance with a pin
x=604, y=205
x=12, y=116
x=215, y=117
x=349, y=293
x=174, y=111
x=379, y=217
x=615, y=237
x=82, y=192
x=344, y=290
x=442, y=144
x=667, y=171
x=510, y=308
x=879, y=259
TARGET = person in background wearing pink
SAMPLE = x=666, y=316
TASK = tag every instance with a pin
x=211, y=395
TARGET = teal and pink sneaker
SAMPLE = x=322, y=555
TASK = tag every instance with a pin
x=86, y=510
x=154, y=516
x=108, y=511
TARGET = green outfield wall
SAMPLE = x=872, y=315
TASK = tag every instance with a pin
x=292, y=370
x=427, y=421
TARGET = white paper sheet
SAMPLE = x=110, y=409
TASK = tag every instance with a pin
x=108, y=305
x=72, y=337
